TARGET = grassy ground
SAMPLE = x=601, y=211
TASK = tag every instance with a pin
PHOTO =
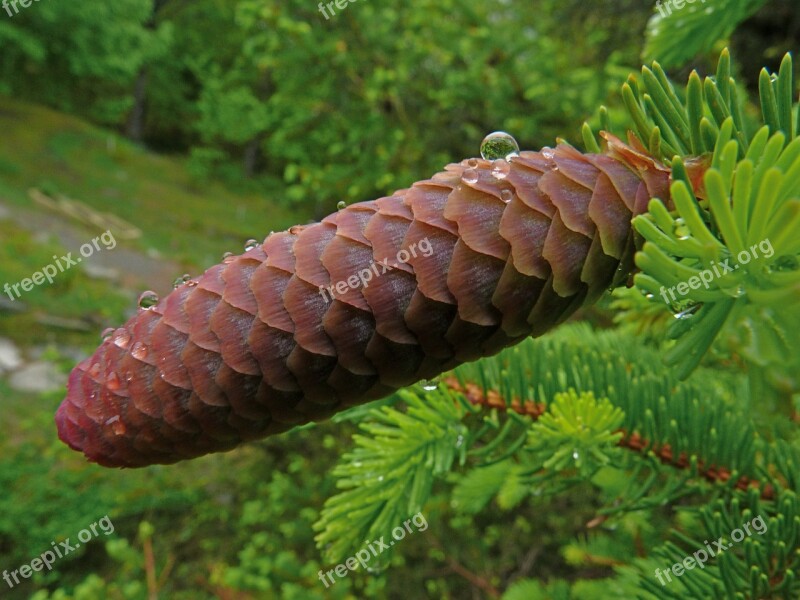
x=186, y=225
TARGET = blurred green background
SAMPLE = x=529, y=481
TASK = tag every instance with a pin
x=187, y=128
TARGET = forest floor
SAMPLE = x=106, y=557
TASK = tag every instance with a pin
x=64, y=183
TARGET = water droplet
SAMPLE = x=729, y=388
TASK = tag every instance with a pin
x=501, y=168
x=122, y=338
x=498, y=144
x=112, y=382
x=687, y=311
x=106, y=333
x=680, y=229
x=250, y=244
x=575, y=455
x=472, y=163
x=185, y=278
x=148, y=300
x=117, y=426
x=341, y=204
x=548, y=153
x=429, y=384
x=783, y=263
x=469, y=176
x=506, y=195
x=129, y=376
x=139, y=351
x=735, y=292
x=375, y=569
x=228, y=257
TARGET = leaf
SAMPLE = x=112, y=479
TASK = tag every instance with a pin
x=675, y=36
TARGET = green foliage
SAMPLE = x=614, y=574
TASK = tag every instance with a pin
x=389, y=475
x=612, y=467
x=580, y=428
x=96, y=48
x=676, y=35
x=728, y=251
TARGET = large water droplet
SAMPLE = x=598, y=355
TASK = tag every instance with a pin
x=498, y=144
x=250, y=244
x=139, y=351
x=122, y=338
x=506, y=195
x=147, y=300
x=501, y=168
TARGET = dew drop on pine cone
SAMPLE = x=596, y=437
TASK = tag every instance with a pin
x=147, y=300
x=341, y=204
x=250, y=244
x=122, y=338
x=117, y=426
x=498, y=144
x=227, y=257
x=183, y=279
x=472, y=163
x=469, y=176
x=500, y=168
x=139, y=351
x=548, y=153
x=107, y=332
x=506, y=195
x=112, y=382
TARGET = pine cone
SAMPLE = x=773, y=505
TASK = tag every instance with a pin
x=377, y=296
